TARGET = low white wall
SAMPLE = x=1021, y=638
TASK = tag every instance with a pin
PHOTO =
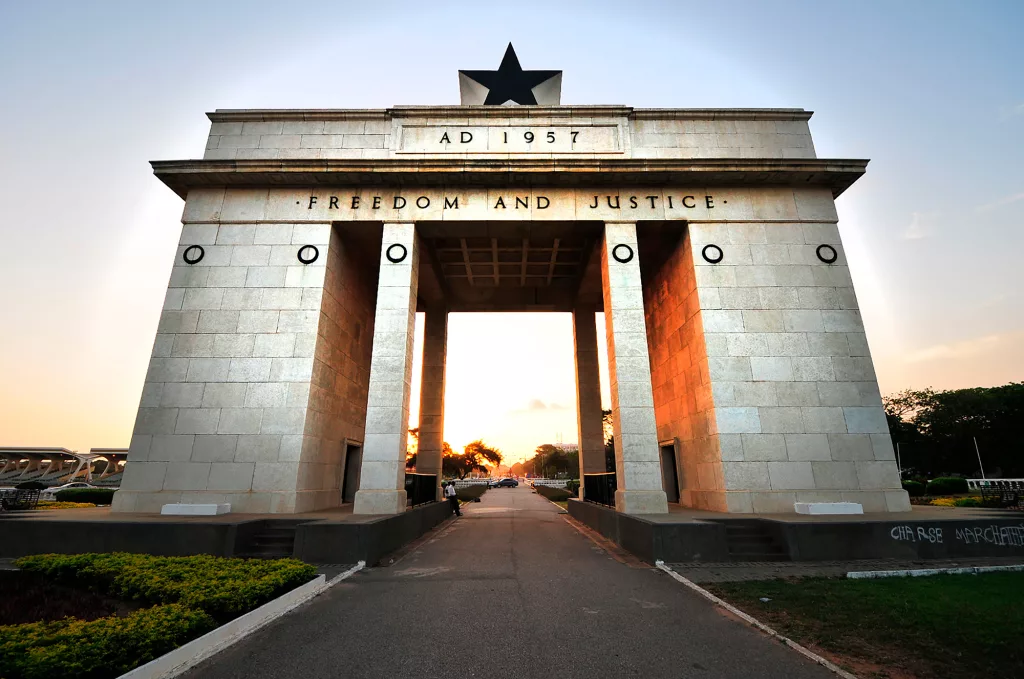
x=553, y=483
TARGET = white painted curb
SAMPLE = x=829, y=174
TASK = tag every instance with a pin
x=921, y=572
x=756, y=623
x=194, y=652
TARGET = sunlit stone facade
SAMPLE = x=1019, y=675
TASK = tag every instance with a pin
x=740, y=373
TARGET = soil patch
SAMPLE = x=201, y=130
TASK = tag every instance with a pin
x=33, y=598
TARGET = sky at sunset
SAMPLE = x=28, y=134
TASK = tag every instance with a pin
x=931, y=92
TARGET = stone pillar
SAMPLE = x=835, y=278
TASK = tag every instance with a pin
x=435, y=347
x=637, y=459
x=382, y=478
x=588, y=394
x=230, y=410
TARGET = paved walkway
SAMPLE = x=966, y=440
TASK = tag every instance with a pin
x=511, y=589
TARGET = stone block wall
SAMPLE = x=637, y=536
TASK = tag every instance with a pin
x=684, y=407
x=637, y=458
x=363, y=135
x=257, y=372
x=669, y=137
x=341, y=374
x=414, y=132
x=797, y=415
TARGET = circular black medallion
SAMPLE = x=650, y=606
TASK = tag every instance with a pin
x=193, y=254
x=308, y=254
x=396, y=253
x=622, y=253
x=712, y=254
x=827, y=254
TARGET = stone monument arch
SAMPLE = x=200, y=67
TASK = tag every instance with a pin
x=708, y=238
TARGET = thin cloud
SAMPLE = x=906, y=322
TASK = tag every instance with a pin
x=963, y=349
x=1007, y=112
x=536, y=405
x=919, y=228
x=1006, y=200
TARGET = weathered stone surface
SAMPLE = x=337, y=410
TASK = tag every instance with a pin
x=752, y=370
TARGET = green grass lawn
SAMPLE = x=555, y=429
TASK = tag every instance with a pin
x=946, y=626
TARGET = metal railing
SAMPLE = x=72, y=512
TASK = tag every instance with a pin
x=420, y=488
x=18, y=499
x=600, y=488
x=1008, y=484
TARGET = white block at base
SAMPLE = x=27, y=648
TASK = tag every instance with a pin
x=828, y=507
x=196, y=510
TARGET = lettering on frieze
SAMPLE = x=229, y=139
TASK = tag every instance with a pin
x=597, y=138
x=517, y=201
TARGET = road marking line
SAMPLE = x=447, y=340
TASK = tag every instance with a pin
x=810, y=655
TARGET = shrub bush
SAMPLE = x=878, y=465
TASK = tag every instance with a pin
x=97, y=496
x=470, y=493
x=947, y=485
x=967, y=502
x=106, y=647
x=573, y=487
x=64, y=505
x=913, y=488
x=223, y=588
x=554, y=494
x=31, y=485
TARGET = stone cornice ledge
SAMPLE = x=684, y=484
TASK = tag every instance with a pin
x=466, y=112
x=184, y=175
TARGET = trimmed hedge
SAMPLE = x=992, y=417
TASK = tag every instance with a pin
x=947, y=485
x=96, y=496
x=573, y=487
x=913, y=488
x=470, y=493
x=193, y=594
x=222, y=588
x=554, y=494
x=107, y=647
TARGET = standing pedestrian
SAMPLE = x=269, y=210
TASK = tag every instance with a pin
x=453, y=500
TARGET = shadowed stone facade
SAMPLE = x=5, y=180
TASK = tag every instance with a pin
x=752, y=371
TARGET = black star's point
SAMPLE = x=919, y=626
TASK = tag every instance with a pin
x=510, y=82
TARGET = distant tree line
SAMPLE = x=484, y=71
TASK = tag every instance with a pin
x=553, y=462
x=936, y=431
x=476, y=456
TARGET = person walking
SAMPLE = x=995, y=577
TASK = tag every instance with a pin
x=453, y=500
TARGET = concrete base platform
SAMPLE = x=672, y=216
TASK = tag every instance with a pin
x=698, y=536
x=825, y=508
x=334, y=536
x=195, y=510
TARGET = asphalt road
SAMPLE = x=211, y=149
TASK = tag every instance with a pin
x=511, y=589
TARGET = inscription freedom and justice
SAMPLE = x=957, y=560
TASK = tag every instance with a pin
x=504, y=202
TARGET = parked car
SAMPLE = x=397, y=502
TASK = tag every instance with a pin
x=52, y=491
x=493, y=483
x=507, y=483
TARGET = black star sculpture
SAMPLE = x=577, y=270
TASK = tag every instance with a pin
x=510, y=84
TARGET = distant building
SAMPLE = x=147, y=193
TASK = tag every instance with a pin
x=57, y=466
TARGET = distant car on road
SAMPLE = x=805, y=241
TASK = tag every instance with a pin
x=507, y=483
